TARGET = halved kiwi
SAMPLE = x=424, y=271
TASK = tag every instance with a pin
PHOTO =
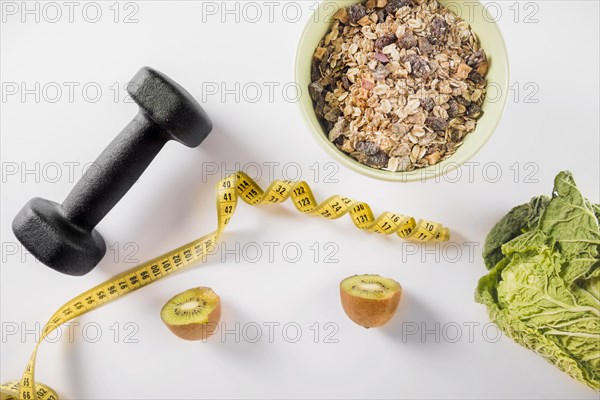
x=370, y=300
x=193, y=314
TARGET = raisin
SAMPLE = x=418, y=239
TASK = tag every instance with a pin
x=385, y=40
x=331, y=114
x=420, y=67
x=407, y=40
x=438, y=27
x=317, y=93
x=315, y=72
x=473, y=110
x=427, y=103
x=315, y=90
x=356, y=12
x=381, y=15
x=455, y=135
x=379, y=159
x=339, y=140
x=475, y=77
x=366, y=147
x=452, y=108
x=436, y=123
x=346, y=82
x=395, y=5
x=476, y=58
x=328, y=125
x=324, y=64
x=319, y=110
x=425, y=46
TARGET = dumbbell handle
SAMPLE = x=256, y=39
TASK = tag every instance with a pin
x=114, y=172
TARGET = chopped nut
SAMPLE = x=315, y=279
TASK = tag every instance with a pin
x=319, y=53
x=463, y=71
x=482, y=68
x=347, y=147
x=342, y=15
x=433, y=158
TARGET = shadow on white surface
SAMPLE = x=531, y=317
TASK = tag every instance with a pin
x=412, y=311
x=232, y=348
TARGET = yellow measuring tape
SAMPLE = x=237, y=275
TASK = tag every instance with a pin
x=238, y=185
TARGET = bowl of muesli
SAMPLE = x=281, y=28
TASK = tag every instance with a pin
x=402, y=90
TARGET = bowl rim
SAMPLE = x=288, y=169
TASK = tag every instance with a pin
x=418, y=174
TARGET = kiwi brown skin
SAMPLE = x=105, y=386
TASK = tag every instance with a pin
x=198, y=331
x=370, y=313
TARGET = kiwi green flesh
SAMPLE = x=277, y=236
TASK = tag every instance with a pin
x=370, y=286
x=190, y=307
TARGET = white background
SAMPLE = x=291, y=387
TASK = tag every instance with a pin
x=551, y=122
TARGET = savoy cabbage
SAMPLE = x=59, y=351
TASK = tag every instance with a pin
x=543, y=289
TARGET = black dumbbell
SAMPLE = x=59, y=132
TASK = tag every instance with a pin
x=63, y=236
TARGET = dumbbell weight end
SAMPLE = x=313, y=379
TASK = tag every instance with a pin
x=63, y=236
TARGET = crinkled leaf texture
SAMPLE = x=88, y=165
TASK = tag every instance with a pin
x=544, y=292
x=518, y=220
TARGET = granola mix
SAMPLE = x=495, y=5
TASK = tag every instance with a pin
x=397, y=84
